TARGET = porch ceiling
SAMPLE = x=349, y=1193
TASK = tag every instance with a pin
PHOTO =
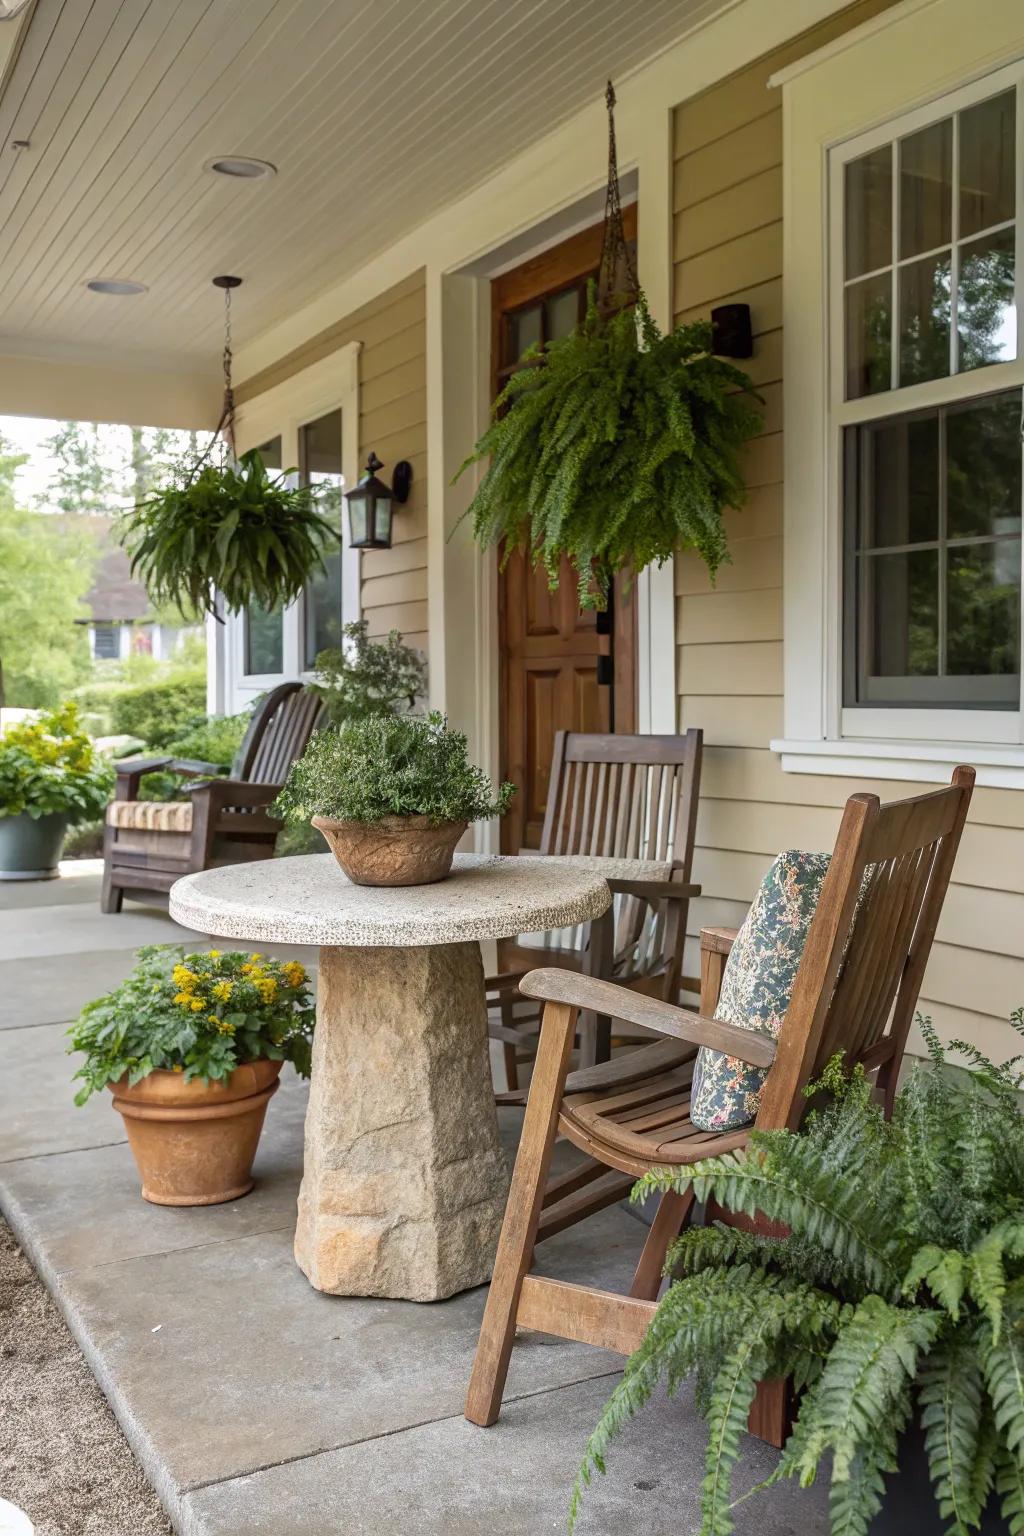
x=376, y=113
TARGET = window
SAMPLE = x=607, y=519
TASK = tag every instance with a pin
x=320, y=464
x=106, y=642
x=927, y=416
x=264, y=631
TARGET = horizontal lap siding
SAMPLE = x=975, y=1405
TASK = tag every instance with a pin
x=727, y=206
x=393, y=423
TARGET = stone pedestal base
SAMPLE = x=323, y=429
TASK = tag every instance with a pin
x=404, y=1182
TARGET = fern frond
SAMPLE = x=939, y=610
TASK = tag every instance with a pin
x=1003, y=1364
x=943, y=1271
x=1010, y=1488
x=952, y=1415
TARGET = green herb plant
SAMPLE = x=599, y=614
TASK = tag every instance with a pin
x=198, y=1014
x=227, y=529
x=899, y=1291
x=49, y=766
x=616, y=446
x=389, y=765
x=369, y=677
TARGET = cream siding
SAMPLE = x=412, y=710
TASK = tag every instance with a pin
x=392, y=422
x=727, y=191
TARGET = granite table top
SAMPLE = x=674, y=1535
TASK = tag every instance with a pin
x=308, y=900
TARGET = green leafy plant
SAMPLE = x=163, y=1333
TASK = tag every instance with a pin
x=198, y=1014
x=389, y=765
x=210, y=739
x=249, y=536
x=616, y=446
x=899, y=1290
x=49, y=766
x=160, y=711
x=369, y=677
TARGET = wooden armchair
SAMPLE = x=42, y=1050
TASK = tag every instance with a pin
x=612, y=797
x=148, y=844
x=854, y=991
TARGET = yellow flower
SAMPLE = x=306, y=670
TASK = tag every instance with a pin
x=222, y=990
x=183, y=978
x=198, y=1004
x=248, y=969
x=266, y=986
x=178, y=1068
x=226, y=1028
x=214, y=954
x=293, y=973
x=211, y=1018
x=184, y=998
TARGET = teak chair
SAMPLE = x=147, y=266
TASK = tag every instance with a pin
x=619, y=797
x=147, y=845
x=854, y=991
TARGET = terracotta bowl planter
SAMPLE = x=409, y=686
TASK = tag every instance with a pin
x=397, y=850
x=194, y=1143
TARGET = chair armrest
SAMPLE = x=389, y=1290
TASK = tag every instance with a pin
x=191, y=768
x=504, y=981
x=655, y=890
x=130, y=771
x=233, y=792
x=553, y=986
x=719, y=941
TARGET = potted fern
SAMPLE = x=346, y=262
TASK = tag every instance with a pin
x=619, y=451
x=895, y=1304
x=228, y=528
x=392, y=795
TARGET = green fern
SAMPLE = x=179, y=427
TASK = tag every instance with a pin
x=897, y=1291
x=616, y=446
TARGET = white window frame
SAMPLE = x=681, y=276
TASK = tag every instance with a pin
x=917, y=63
x=282, y=411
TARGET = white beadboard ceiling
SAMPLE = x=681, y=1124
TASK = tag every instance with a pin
x=376, y=113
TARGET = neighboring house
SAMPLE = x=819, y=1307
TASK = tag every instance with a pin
x=121, y=621
x=854, y=173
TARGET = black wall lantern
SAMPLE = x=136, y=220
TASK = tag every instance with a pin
x=731, y=334
x=370, y=504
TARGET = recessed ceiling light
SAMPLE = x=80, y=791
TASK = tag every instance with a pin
x=121, y=286
x=240, y=167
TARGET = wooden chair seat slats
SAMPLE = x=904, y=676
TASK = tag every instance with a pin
x=854, y=991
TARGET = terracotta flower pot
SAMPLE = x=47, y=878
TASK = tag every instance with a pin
x=397, y=850
x=194, y=1143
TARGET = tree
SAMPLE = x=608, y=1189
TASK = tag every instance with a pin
x=84, y=480
x=45, y=572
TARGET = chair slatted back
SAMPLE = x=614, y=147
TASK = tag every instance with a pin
x=627, y=797
x=278, y=733
x=868, y=944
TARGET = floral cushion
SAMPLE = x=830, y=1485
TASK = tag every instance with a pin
x=758, y=979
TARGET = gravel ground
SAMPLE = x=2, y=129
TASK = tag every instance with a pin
x=63, y=1458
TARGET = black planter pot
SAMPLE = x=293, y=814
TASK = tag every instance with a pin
x=911, y=1508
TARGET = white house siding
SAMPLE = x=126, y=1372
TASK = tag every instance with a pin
x=727, y=204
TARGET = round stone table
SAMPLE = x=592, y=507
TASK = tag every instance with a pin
x=404, y=1179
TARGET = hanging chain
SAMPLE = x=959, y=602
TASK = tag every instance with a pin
x=227, y=419
x=617, y=282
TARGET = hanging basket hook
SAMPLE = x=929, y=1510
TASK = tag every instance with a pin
x=617, y=282
x=226, y=425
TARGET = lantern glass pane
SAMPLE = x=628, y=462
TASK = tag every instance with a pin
x=382, y=520
x=357, y=518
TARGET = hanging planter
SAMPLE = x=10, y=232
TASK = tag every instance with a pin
x=618, y=445
x=227, y=528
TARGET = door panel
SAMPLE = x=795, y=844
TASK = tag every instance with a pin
x=550, y=650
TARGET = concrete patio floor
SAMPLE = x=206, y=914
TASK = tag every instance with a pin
x=256, y=1405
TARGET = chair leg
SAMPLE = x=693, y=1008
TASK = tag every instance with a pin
x=508, y=1049
x=522, y=1214
x=672, y=1213
x=111, y=895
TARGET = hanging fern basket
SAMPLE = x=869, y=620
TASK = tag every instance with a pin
x=619, y=445
x=224, y=533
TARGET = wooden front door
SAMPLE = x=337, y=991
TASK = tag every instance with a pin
x=561, y=669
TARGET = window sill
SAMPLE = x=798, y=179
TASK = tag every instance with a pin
x=928, y=763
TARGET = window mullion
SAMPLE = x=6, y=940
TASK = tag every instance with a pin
x=954, y=254
x=943, y=553
x=894, y=330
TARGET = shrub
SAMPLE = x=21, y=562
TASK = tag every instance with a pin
x=389, y=765
x=161, y=711
x=899, y=1289
x=369, y=677
x=49, y=766
x=198, y=1014
x=213, y=740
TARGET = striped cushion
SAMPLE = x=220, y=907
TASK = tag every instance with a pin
x=151, y=815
